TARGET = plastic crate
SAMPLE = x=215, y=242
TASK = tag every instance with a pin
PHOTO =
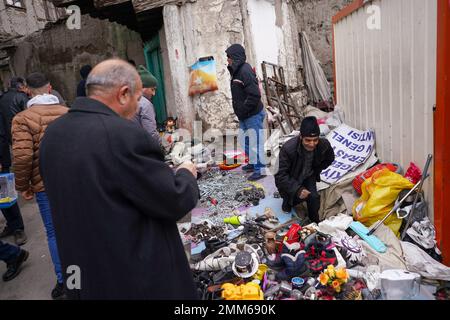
x=8, y=193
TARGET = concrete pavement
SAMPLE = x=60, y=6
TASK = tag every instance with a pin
x=37, y=278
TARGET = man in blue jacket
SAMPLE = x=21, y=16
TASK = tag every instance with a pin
x=248, y=108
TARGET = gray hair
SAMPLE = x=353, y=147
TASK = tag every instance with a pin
x=117, y=75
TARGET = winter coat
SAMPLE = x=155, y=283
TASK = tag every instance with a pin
x=146, y=118
x=81, y=88
x=244, y=85
x=28, y=128
x=11, y=103
x=291, y=159
x=115, y=204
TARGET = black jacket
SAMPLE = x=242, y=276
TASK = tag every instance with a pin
x=11, y=103
x=244, y=85
x=81, y=88
x=115, y=204
x=288, y=178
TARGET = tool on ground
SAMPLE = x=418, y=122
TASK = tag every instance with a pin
x=362, y=231
x=394, y=209
x=416, y=198
x=284, y=225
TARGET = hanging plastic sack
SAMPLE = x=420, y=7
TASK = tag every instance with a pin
x=203, y=77
x=413, y=174
x=378, y=198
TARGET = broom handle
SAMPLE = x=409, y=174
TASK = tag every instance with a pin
x=393, y=209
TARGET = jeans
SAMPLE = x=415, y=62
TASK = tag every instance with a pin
x=46, y=214
x=8, y=252
x=313, y=200
x=12, y=215
x=251, y=138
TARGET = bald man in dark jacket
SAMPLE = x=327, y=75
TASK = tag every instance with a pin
x=115, y=203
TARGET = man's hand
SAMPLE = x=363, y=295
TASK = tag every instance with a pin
x=28, y=195
x=189, y=166
x=304, y=194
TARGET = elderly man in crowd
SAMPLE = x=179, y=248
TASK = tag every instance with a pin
x=115, y=201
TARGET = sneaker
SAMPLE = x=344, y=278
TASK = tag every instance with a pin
x=256, y=176
x=6, y=233
x=20, y=237
x=59, y=292
x=14, y=267
x=248, y=168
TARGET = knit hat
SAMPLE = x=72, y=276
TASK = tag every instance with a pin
x=309, y=128
x=148, y=80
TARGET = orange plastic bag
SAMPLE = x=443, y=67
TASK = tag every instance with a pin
x=378, y=198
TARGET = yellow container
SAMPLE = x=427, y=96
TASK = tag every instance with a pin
x=260, y=273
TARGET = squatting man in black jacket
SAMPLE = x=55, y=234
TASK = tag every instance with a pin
x=301, y=161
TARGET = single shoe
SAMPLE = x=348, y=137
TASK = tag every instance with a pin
x=248, y=168
x=6, y=233
x=20, y=237
x=256, y=176
x=59, y=292
x=13, y=268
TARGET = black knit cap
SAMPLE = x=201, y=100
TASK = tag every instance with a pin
x=309, y=128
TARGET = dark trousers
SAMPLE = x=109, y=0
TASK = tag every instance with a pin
x=12, y=215
x=313, y=201
x=8, y=252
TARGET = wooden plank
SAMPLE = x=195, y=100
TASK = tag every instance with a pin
x=144, y=5
x=63, y=3
x=107, y=3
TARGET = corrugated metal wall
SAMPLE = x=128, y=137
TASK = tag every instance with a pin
x=386, y=79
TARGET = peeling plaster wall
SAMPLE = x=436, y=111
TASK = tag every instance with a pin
x=60, y=53
x=207, y=28
x=275, y=36
x=314, y=17
x=290, y=53
x=265, y=33
x=177, y=70
x=212, y=26
x=171, y=106
x=17, y=22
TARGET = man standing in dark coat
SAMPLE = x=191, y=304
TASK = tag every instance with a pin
x=11, y=103
x=248, y=108
x=301, y=161
x=115, y=203
x=84, y=73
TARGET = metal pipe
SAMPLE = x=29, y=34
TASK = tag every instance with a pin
x=394, y=209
